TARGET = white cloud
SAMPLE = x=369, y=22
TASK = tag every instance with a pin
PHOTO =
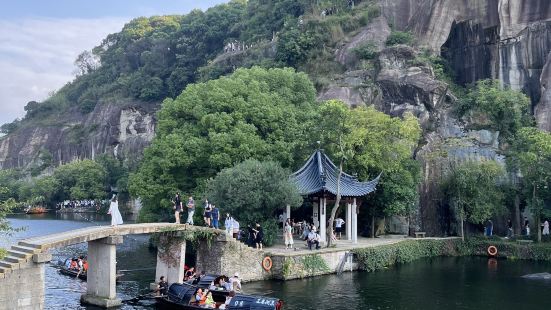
x=37, y=55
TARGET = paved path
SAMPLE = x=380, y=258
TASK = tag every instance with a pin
x=300, y=247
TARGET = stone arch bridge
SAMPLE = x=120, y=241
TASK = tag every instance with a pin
x=22, y=275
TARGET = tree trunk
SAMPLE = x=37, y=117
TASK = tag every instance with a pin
x=373, y=226
x=335, y=209
x=537, y=213
x=517, y=215
x=462, y=229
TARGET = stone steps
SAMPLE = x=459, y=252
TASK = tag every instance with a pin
x=15, y=260
x=19, y=254
x=24, y=249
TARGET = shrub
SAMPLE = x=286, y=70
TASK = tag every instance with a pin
x=399, y=37
x=366, y=51
x=3, y=253
x=376, y=258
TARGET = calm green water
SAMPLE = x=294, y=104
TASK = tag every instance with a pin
x=439, y=283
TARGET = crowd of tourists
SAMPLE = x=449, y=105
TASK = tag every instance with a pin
x=252, y=236
x=74, y=204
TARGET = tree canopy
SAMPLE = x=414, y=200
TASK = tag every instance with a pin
x=530, y=155
x=473, y=190
x=253, y=191
x=372, y=143
x=497, y=107
x=251, y=114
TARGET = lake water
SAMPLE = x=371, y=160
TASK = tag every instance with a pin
x=438, y=283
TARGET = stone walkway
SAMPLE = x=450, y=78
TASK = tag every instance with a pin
x=300, y=247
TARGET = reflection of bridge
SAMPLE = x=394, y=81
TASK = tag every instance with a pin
x=22, y=270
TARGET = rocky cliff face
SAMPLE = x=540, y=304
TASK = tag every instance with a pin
x=119, y=128
x=500, y=39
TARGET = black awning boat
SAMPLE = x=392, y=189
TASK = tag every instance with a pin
x=181, y=296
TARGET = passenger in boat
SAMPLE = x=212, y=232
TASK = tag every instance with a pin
x=199, y=296
x=198, y=277
x=228, y=300
x=226, y=284
x=235, y=282
x=74, y=264
x=209, y=301
x=162, y=287
x=80, y=266
x=190, y=274
x=85, y=265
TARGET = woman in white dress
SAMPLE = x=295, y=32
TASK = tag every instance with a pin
x=288, y=234
x=546, y=228
x=116, y=217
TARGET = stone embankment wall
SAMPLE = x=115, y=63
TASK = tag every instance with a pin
x=28, y=282
x=229, y=256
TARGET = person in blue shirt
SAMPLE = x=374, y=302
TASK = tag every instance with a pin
x=215, y=213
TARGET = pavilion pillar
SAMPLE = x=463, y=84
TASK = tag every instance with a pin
x=287, y=212
x=102, y=273
x=348, y=221
x=315, y=213
x=354, y=222
x=323, y=222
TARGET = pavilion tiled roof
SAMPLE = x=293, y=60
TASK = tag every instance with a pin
x=319, y=174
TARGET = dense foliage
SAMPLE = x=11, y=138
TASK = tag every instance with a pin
x=399, y=37
x=253, y=192
x=492, y=106
x=531, y=156
x=7, y=203
x=473, y=190
x=374, y=143
x=254, y=113
x=85, y=179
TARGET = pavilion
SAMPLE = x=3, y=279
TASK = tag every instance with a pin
x=317, y=180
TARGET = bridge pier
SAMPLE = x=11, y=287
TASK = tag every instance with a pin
x=170, y=260
x=102, y=272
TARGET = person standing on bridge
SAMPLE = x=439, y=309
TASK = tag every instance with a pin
x=177, y=207
x=190, y=210
x=116, y=217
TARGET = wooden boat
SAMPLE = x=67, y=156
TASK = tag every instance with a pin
x=180, y=296
x=36, y=210
x=73, y=273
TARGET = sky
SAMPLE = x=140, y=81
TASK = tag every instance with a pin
x=40, y=39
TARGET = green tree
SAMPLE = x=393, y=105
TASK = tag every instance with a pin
x=83, y=179
x=7, y=203
x=48, y=188
x=253, y=191
x=531, y=155
x=252, y=114
x=473, y=190
x=369, y=142
x=490, y=105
